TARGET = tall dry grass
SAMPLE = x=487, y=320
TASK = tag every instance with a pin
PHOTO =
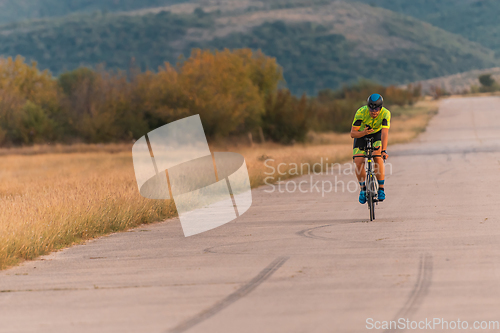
x=54, y=200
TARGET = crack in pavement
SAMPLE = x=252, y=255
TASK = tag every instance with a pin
x=447, y=151
x=96, y=287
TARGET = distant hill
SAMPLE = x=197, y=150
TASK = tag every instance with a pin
x=328, y=45
x=17, y=10
x=421, y=9
x=87, y=40
x=320, y=44
x=476, y=20
x=458, y=83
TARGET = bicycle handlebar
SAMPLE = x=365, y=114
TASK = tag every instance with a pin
x=370, y=140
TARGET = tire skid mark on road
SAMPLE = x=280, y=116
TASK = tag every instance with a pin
x=420, y=290
x=213, y=249
x=309, y=233
x=445, y=171
x=240, y=293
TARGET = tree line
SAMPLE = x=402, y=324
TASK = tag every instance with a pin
x=235, y=93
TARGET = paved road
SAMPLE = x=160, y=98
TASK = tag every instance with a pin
x=297, y=262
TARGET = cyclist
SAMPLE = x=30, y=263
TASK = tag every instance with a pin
x=371, y=120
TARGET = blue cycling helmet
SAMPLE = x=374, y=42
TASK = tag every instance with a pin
x=375, y=101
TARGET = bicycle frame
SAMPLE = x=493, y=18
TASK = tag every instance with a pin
x=371, y=179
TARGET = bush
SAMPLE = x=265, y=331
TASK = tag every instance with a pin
x=286, y=117
x=488, y=84
x=222, y=92
x=28, y=103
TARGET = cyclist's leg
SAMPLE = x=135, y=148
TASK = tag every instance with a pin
x=359, y=168
x=379, y=170
x=359, y=163
x=379, y=167
x=380, y=174
x=358, y=153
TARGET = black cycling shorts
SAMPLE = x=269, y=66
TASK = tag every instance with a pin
x=359, y=145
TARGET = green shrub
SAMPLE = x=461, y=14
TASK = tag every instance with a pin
x=286, y=118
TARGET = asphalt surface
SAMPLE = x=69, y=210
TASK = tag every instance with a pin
x=298, y=262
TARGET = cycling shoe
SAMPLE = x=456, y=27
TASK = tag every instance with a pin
x=381, y=195
x=362, y=197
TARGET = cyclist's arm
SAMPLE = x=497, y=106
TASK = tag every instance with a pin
x=355, y=133
x=385, y=138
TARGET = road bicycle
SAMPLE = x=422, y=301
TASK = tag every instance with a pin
x=371, y=179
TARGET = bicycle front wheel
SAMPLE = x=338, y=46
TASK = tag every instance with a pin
x=371, y=205
x=371, y=192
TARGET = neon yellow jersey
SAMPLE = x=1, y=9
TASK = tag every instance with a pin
x=363, y=118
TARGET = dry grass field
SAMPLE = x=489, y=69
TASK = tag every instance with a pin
x=54, y=196
x=53, y=200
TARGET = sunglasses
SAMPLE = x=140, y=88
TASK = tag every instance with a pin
x=375, y=109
